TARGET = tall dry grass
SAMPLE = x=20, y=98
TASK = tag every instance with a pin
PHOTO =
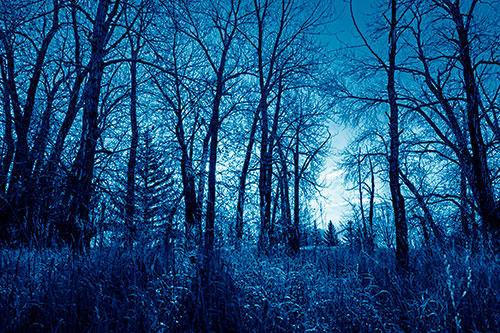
x=322, y=289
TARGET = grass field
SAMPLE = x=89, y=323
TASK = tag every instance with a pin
x=321, y=289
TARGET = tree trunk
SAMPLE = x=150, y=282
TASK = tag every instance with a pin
x=40, y=144
x=202, y=182
x=402, y=256
x=264, y=179
x=21, y=170
x=266, y=165
x=464, y=204
x=480, y=181
x=79, y=188
x=212, y=165
x=19, y=197
x=371, y=243
x=5, y=212
x=190, y=203
x=192, y=213
x=295, y=242
x=242, y=184
x=428, y=220
x=286, y=214
x=48, y=183
x=361, y=206
x=132, y=160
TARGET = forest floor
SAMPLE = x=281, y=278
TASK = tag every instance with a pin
x=321, y=289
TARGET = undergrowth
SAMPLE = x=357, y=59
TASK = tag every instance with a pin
x=321, y=289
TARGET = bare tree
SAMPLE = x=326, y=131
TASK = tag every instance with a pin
x=274, y=44
x=395, y=27
x=17, y=206
x=402, y=256
x=309, y=140
x=79, y=187
x=447, y=78
x=214, y=44
x=135, y=38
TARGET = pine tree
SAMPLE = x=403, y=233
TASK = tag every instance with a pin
x=155, y=204
x=330, y=237
x=155, y=197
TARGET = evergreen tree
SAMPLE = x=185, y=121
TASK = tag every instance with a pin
x=330, y=237
x=155, y=196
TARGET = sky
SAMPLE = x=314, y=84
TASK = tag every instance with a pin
x=341, y=30
x=332, y=204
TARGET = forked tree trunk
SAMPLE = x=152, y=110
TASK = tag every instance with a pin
x=74, y=93
x=481, y=183
x=19, y=200
x=428, y=219
x=75, y=229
